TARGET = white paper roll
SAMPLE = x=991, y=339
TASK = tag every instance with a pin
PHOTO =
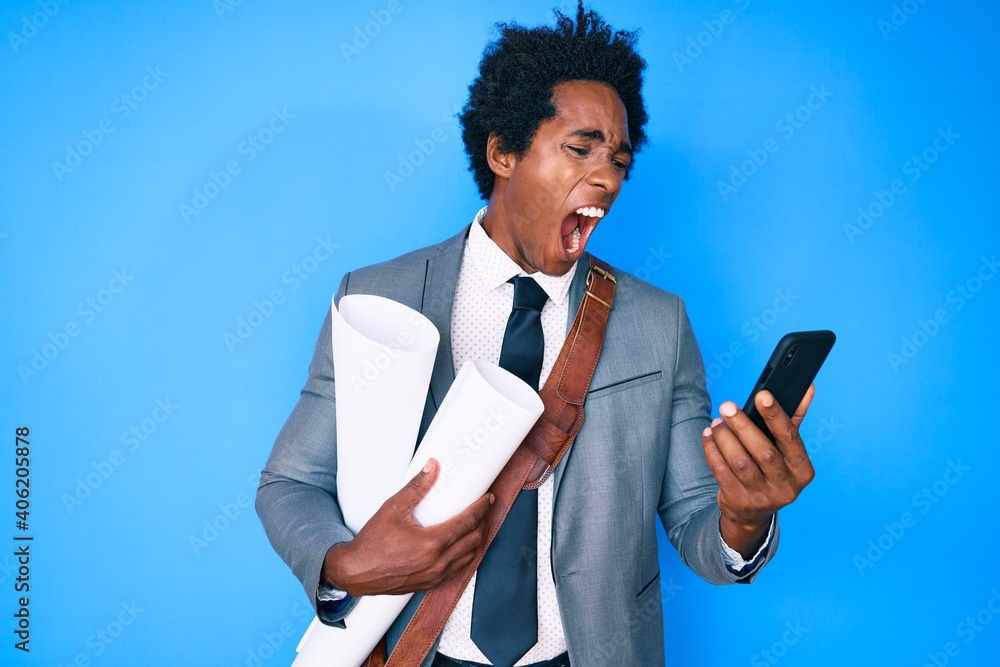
x=323, y=646
x=480, y=423
x=383, y=356
x=485, y=416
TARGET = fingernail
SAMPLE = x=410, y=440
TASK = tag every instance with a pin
x=716, y=421
x=728, y=409
x=706, y=433
x=766, y=399
x=427, y=466
x=493, y=499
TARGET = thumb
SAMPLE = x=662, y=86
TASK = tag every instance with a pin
x=417, y=488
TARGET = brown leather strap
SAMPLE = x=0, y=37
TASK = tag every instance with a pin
x=547, y=442
x=378, y=656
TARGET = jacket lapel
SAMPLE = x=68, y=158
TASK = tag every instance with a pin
x=440, y=280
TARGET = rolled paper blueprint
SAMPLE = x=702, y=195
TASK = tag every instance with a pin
x=485, y=416
x=383, y=356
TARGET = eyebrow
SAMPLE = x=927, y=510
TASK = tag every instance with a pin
x=597, y=135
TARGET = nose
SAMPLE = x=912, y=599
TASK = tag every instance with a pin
x=605, y=177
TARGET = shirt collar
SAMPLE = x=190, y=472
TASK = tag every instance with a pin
x=495, y=267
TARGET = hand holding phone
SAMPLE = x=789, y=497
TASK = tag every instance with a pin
x=757, y=478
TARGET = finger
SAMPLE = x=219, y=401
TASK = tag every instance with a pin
x=470, y=520
x=454, y=566
x=724, y=475
x=465, y=548
x=800, y=412
x=461, y=547
x=784, y=430
x=415, y=490
x=786, y=437
x=743, y=445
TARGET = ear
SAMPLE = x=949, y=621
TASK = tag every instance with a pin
x=501, y=164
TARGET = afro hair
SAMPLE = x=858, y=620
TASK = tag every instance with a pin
x=512, y=95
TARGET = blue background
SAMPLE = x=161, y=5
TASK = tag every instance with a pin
x=883, y=557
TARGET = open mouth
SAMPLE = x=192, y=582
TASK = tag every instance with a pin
x=577, y=227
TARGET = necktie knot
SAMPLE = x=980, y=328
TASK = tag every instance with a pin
x=528, y=293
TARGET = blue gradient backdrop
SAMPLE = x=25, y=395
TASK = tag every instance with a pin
x=152, y=408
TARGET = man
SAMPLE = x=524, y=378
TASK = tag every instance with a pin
x=551, y=127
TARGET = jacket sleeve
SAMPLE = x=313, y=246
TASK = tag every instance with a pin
x=688, y=506
x=297, y=496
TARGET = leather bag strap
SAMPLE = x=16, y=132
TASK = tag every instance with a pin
x=563, y=396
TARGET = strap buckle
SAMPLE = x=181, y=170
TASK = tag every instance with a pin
x=596, y=269
x=604, y=274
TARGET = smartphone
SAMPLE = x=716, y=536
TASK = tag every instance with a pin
x=793, y=365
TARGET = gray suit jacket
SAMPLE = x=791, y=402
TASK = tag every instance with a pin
x=637, y=457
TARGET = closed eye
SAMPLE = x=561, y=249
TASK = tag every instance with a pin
x=619, y=165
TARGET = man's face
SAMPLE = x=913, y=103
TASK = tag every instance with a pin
x=547, y=203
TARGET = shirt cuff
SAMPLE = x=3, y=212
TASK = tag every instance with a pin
x=332, y=605
x=735, y=562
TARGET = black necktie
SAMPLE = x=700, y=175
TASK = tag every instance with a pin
x=504, y=607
